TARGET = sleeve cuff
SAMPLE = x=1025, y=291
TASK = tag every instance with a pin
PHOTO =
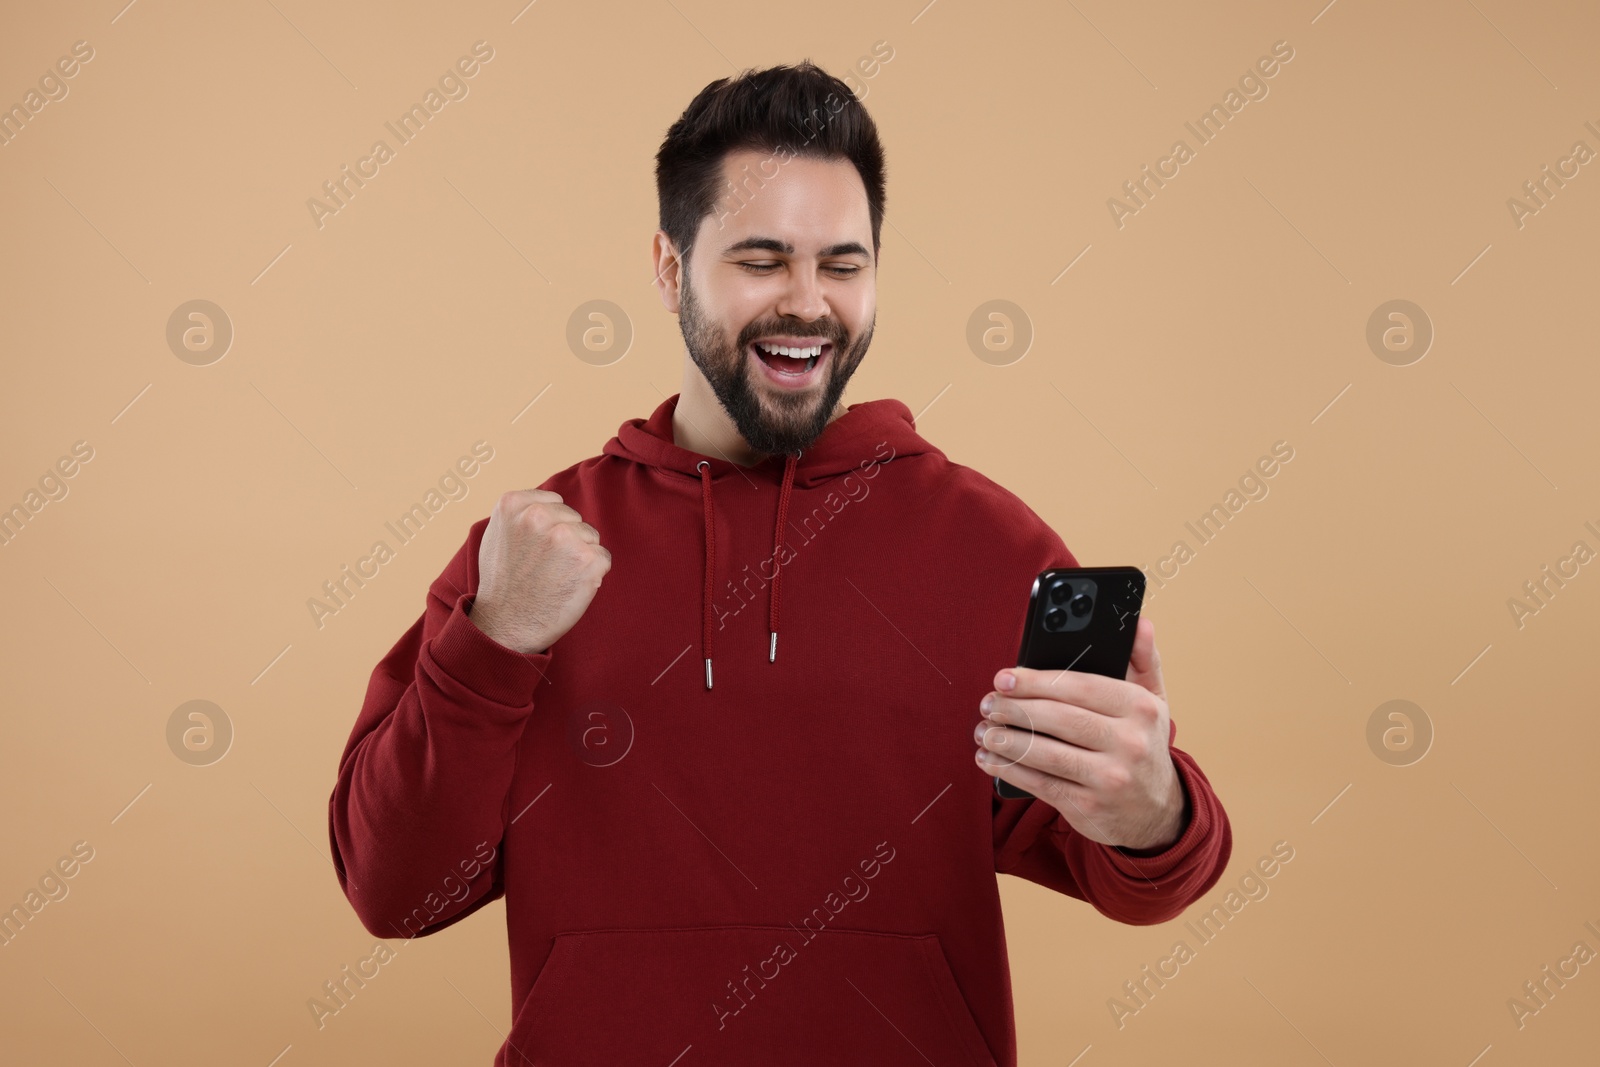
x=1136, y=864
x=480, y=663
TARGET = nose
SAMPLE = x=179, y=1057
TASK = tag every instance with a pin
x=802, y=297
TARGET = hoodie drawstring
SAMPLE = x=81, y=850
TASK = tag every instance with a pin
x=784, y=493
x=704, y=468
x=777, y=542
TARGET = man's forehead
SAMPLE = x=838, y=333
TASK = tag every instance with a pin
x=783, y=203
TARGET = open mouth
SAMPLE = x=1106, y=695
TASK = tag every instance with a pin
x=792, y=365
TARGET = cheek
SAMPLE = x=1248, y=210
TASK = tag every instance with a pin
x=856, y=308
x=738, y=305
x=858, y=317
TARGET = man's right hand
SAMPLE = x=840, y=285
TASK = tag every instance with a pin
x=539, y=566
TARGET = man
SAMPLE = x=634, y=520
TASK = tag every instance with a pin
x=712, y=844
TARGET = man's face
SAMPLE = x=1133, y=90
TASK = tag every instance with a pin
x=786, y=259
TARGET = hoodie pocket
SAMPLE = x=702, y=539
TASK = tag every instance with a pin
x=745, y=994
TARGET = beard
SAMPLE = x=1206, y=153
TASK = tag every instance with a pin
x=787, y=421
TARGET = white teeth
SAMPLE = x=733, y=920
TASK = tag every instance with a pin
x=793, y=353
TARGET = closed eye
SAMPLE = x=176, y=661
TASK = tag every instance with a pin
x=761, y=268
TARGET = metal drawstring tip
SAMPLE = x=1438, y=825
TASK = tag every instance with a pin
x=772, y=653
x=708, y=672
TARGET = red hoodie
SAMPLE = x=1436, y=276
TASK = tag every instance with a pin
x=717, y=847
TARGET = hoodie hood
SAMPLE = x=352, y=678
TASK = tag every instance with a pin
x=848, y=443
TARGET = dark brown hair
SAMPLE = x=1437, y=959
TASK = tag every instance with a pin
x=798, y=109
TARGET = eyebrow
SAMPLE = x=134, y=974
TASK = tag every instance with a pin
x=772, y=244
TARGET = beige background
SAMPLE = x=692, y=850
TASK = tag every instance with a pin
x=1228, y=314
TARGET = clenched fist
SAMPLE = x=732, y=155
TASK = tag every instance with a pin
x=539, y=566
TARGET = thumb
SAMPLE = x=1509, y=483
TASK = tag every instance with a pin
x=1144, y=665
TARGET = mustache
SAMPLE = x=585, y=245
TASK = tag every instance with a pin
x=836, y=334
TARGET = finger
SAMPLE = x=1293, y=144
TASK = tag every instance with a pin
x=1043, y=753
x=1144, y=644
x=515, y=501
x=545, y=515
x=1108, y=696
x=1063, y=795
x=585, y=532
x=1144, y=666
x=1066, y=722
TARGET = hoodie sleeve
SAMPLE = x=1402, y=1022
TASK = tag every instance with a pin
x=418, y=813
x=1034, y=841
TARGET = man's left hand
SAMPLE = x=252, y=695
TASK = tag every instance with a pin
x=1099, y=755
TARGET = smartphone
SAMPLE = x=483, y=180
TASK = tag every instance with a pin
x=1080, y=619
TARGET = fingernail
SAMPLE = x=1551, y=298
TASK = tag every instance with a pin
x=987, y=706
x=1008, y=680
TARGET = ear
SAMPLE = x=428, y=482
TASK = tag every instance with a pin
x=667, y=263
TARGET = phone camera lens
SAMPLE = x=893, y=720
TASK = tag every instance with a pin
x=1080, y=605
x=1055, y=619
x=1060, y=592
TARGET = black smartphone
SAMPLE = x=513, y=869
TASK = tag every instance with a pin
x=1080, y=619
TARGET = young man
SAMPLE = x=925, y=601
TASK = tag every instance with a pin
x=716, y=847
